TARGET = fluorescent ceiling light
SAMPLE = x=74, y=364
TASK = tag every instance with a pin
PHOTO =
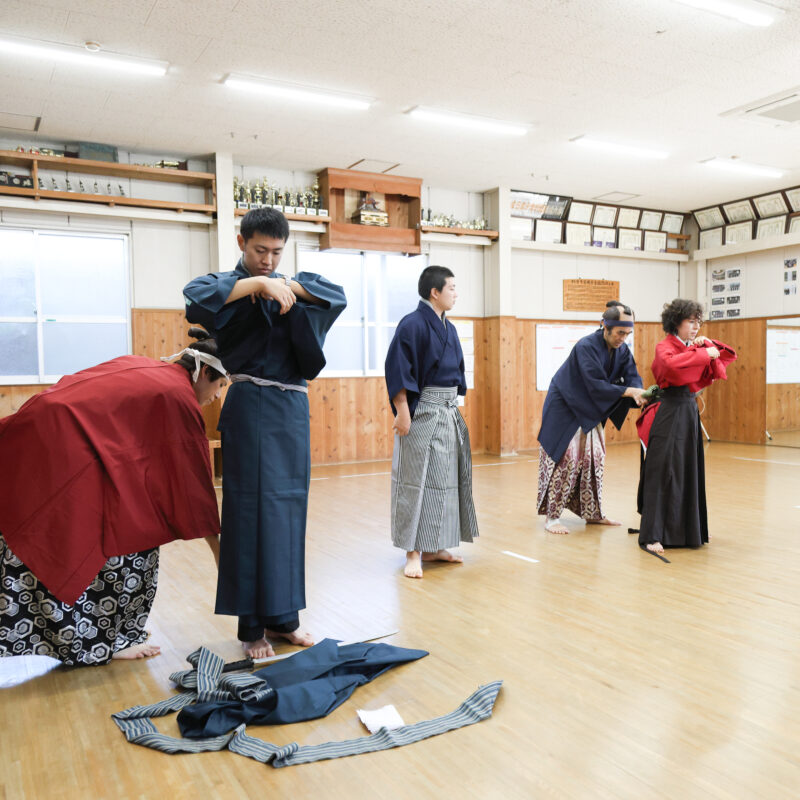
x=741, y=167
x=619, y=149
x=468, y=121
x=82, y=57
x=288, y=91
x=750, y=12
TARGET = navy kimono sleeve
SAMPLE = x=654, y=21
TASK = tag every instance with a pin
x=205, y=300
x=310, y=322
x=592, y=400
x=403, y=364
x=630, y=377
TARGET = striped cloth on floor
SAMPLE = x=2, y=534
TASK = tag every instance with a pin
x=207, y=682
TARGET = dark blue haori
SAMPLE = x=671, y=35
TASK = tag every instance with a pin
x=424, y=352
x=586, y=391
x=265, y=437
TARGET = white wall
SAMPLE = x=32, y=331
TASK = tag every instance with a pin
x=537, y=277
x=763, y=280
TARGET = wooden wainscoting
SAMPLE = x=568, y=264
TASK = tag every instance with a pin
x=736, y=409
x=783, y=406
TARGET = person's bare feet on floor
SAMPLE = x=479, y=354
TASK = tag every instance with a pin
x=655, y=547
x=442, y=555
x=604, y=521
x=261, y=648
x=413, y=567
x=143, y=650
x=555, y=526
x=299, y=637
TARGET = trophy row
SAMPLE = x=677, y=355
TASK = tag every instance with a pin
x=439, y=220
x=263, y=194
x=26, y=182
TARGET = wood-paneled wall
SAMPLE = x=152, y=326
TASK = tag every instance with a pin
x=736, y=409
x=13, y=397
x=783, y=406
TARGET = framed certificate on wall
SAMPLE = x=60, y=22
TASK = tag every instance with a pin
x=629, y=239
x=549, y=230
x=655, y=242
x=739, y=211
x=774, y=226
x=793, y=196
x=628, y=217
x=672, y=223
x=604, y=237
x=740, y=232
x=578, y=234
x=604, y=216
x=711, y=238
x=770, y=205
x=580, y=212
x=651, y=220
x=709, y=218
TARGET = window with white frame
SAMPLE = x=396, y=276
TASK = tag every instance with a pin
x=63, y=303
x=381, y=289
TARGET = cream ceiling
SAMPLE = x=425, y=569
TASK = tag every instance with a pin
x=649, y=72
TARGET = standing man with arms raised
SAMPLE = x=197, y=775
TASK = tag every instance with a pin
x=270, y=331
x=432, y=506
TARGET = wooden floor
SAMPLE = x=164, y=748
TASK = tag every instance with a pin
x=624, y=677
x=784, y=438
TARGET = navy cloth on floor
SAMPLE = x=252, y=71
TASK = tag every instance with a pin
x=310, y=684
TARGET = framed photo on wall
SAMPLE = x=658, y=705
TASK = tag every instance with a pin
x=580, y=212
x=774, y=226
x=604, y=237
x=711, y=238
x=770, y=205
x=628, y=217
x=556, y=207
x=549, y=230
x=604, y=216
x=655, y=242
x=740, y=232
x=709, y=218
x=629, y=239
x=672, y=223
x=739, y=211
x=578, y=234
x=651, y=220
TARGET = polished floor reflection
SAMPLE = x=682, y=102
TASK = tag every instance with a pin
x=624, y=677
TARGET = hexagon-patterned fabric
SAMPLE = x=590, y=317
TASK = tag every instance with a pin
x=109, y=616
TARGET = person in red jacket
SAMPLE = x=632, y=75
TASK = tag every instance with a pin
x=96, y=472
x=672, y=492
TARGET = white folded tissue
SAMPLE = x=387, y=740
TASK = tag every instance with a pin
x=386, y=717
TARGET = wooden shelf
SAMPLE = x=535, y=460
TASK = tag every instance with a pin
x=34, y=163
x=402, y=204
x=459, y=231
x=112, y=169
x=240, y=212
x=108, y=200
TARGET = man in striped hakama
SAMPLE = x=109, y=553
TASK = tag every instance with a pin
x=432, y=508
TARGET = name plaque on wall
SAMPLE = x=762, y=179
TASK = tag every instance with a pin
x=589, y=295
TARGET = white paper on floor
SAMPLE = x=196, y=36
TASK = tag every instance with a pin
x=386, y=717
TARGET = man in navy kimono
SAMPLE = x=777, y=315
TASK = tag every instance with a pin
x=432, y=506
x=270, y=331
x=598, y=381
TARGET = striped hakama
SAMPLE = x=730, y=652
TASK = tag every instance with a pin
x=432, y=506
x=576, y=481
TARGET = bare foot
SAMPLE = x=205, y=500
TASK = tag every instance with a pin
x=303, y=638
x=413, y=565
x=143, y=650
x=442, y=555
x=261, y=648
x=555, y=526
x=604, y=521
x=655, y=547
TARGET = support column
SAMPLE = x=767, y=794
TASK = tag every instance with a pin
x=224, y=252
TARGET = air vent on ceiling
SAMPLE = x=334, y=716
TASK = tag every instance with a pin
x=615, y=197
x=373, y=165
x=780, y=110
x=19, y=122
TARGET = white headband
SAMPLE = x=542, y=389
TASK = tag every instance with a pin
x=206, y=358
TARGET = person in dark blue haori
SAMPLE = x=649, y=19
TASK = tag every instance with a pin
x=270, y=330
x=598, y=381
x=432, y=505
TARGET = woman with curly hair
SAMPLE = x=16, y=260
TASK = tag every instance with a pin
x=672, y=493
